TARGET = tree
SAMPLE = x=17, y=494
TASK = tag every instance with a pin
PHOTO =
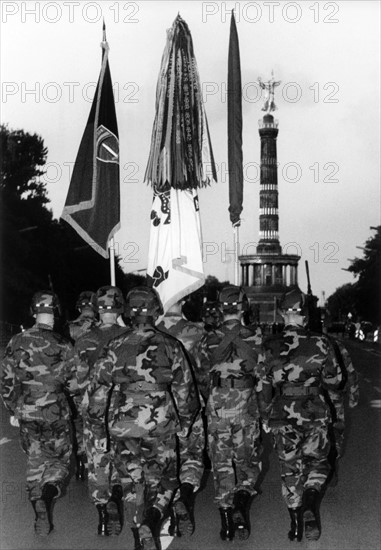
x=37, y=251
x=362, y=298
x=368, y=271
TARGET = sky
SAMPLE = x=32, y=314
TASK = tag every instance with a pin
x=327, y=57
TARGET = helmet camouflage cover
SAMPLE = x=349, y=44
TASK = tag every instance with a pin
x=45, y=301
x=144, y=301
x=109, y=299
x=87, y=298
x=294, y=300
x=232, y=299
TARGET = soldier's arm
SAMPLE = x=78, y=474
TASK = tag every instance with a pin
x=9, y=385
x=265, y=386
x=352, y=378
x=332, y=375
x=98, y=390
x=183, y=388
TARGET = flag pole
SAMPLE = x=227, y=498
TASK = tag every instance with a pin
x=236, y=254
x=112, y=261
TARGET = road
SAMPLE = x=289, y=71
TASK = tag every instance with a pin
x=350, y=512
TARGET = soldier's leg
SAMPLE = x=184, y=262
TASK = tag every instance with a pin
x=191, y=450
x=221, y=456
x=98, y=478
x=247, y=451
x=287, y=443
x=79, y=447
x=48, y=447
x=316, y=469
x=160, y=473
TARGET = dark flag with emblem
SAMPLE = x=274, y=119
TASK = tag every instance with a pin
x=180, y=161
x=92, y=205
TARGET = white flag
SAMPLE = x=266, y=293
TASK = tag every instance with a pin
x=175, y=266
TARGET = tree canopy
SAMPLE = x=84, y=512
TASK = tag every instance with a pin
x=362, y=298
x=39, y=252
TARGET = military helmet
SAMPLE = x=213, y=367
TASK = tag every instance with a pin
x=211, y=313
x=295, y=300
x=86, y=299
x=45, y=301
x=144, y=301
x=109, y=299
x=232, y=299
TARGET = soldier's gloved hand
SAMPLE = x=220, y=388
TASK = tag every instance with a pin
x=183, y=432
x=14, y=422
x=266, y=427
x=353, y=401
x=100, y=445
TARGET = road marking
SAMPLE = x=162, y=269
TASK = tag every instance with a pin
x=375, y=403
x=4, y=440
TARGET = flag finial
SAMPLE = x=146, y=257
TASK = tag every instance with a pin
x=104, y=31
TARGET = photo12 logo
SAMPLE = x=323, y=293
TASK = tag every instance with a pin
x=272, y=12
x=70, y=12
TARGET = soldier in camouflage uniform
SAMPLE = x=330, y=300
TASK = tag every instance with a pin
x=233, y=414
x=105, y=490
x=35, y=372
x=191, y=448
x=87, y=315
x=86, y=305
x=297, y=368
x=156, y=398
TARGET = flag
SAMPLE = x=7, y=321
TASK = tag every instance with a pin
x=235, y=162
x=92, y=204
x=180, y=162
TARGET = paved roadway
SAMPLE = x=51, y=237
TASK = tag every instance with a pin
x=350, y=512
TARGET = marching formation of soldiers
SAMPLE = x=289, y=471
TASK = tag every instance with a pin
x=144, y=400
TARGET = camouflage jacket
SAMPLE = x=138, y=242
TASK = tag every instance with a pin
x=190, y=335
x=151, y=375
x=233, y=376
x=86, y=351
x=35, y=371
x=297, y=367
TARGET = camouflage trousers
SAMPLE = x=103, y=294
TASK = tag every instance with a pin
x=102, y=474
x=78, y=425
x=234, y=450
x=303, y=458
x=191, y=448
x=147, y=468
x=48, y=449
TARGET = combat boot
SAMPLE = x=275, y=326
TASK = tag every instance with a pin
x=103, y=517
x=135, y=532
x=114, y=509
x=149, y=531
x=311, y=515
x=227, y=524
x=43, y=508
x=296, y=528
x=241, y=517
x=184, y=510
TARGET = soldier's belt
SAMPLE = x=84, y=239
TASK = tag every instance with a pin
x=299, y=391
x=146, y=386
x=238, y=383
